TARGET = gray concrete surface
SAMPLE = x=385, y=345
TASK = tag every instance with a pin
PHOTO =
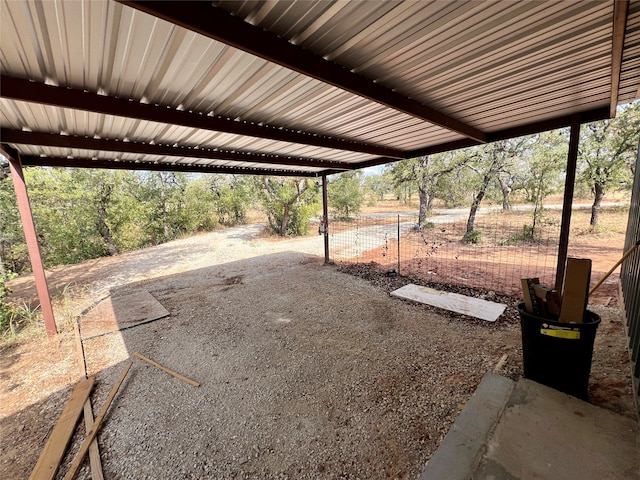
x=461, y=449
x=536, y=433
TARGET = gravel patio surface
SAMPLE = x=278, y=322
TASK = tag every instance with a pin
x=306, y=370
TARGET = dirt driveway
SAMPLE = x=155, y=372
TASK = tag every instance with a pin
x=306, y=371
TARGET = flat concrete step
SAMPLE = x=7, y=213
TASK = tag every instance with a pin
x=525, y=430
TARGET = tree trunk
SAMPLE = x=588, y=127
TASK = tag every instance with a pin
x=476, y=204
x=2, y=269
x=102, y=226
x=165, y=223
x=424, y=205
x=285, y=220
x=105, y=232
x=430, y=203
x=506, y=191
x=597, y=201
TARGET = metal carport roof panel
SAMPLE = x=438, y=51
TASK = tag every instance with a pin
x=477, y=66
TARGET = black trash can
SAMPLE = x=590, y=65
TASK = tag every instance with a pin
x=558, y=354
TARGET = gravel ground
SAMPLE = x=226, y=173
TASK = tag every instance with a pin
x=319, y=374
x=306, y=370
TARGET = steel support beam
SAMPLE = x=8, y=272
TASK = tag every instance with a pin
x=22, y=197
x=213, y=22
x=620, y=14
x=505, y=134
x=36, y=92
x=565, y=225
x=100, y=144
x=325, y=218
x=86, y=162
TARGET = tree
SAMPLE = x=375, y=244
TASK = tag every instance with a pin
x=607, y=148
x=199, y=213
x=13, y=252
x=162, y=195
x=423, y=174
x=489, y=161
x=67, y=225
x=345, y=194
x=288, y=202
x=232, y=197
x=87, y=213
x=541, y=169
x=376, y=186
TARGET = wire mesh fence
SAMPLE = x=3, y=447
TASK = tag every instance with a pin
x=503, y=249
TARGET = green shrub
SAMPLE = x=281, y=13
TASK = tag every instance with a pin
x=7, y=311
x=474, y=237
x=526, y=234
x=12, y=317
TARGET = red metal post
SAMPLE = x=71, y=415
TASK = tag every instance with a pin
x=32, y=242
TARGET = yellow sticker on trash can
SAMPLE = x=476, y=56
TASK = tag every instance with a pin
x=561, y=333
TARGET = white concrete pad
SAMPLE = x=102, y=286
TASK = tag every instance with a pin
x=454, y=302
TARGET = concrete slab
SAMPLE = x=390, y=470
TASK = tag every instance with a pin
x=525, y=430
x=454, y=302
x=463, y=446
x=546, y=434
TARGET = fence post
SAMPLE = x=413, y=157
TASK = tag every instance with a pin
x=398, y=244
x=325, y=219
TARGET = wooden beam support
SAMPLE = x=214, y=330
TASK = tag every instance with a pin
x=620, y=14
x=31, y=238
x=569, y=184
x=110, y=145
x=36, y=92
x=213, y=22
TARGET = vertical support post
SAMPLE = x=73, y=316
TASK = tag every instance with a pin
x=398, y=244
x=325, y=218
x=569, y=184
x=22, y=197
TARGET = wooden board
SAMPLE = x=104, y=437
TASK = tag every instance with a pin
x=94, y=450
x=93, y=431
x=165, y=369
x=576, y=290
x=528, y=294
x=118, y=313
x=454, y=302
x=54, y=449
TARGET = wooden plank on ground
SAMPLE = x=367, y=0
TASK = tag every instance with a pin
x=167, y=370
x=454, y=302
x=94, y=451
x=73, y=469
x=57, y=443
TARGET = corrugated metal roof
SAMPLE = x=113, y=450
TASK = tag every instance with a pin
x=492, y=65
